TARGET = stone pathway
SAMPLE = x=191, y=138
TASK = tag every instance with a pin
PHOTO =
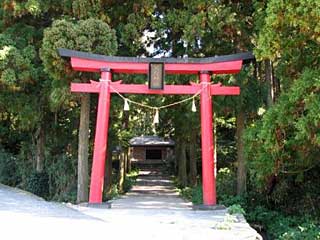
x=153, y=190
x=154, y=210
x=151, y=210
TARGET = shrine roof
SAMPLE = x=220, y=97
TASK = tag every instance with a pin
x=144, y=141
x=245, y=57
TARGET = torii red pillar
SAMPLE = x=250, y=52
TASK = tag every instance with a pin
x=208, y=178
x=228, y=64
x=101, y=138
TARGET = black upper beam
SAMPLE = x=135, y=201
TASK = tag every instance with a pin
x=246, y=57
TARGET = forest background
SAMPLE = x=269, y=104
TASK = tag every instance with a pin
x=268, y=138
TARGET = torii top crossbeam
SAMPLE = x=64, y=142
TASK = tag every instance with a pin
x=88, y=62
x=106, y=65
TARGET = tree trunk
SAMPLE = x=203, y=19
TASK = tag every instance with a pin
x=125, y=161
x=40, y=149
x=121, y=171
x=193, y=158
x=177, y=153
x=276, y=84
x=125, y=120
x=83, y=178
x=270, y=82
x=125, y=126
x=182, y=164
x=241, y=171
x=129, y=160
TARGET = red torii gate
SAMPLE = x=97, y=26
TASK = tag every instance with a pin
x=106, y=65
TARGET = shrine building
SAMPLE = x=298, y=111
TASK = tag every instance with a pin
x=150, y=148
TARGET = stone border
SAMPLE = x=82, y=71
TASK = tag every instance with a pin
x=104, y=205
x=203, y=207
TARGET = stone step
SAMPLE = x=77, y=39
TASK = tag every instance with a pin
x=153, y=169
x=155, y=164
x=153, y=182
x=152, y=173
x=155, y=175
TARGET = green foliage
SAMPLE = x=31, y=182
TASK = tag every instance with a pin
x=30, y=8
x=229, y=200
x=193, y=194
x=197, y=197
x=286, y=140
x=225, y=189
x=86, y=9
x=101, y=39
x=298, y=25
x=129, y=180
x=113, y=194
x=236, y=209
x=199, y=28
x=61, y=35
x=284, y=227
x=62, y=178
x=8, y=168
x=186, y=193
x=17, y=67
x=18, y=75
x=289, y=34
x=38, y=183
x=276, y=224
x=225, y=182
x=306, y=230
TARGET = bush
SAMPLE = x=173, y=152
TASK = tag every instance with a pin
x=307, y=230
x=62, y=177
x=225, y=188
x=38, y=183
x=225, y=182
x=197, y=197
x=229, y=200
x=285, y=142
x=282, y=227
x=193, y=194
x=186, y=193
x=67, y=196
x=8, y=169
x=130, y=180
x=236, y=209
x=114, y=191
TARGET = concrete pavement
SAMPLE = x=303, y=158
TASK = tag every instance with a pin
x=152, y=210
